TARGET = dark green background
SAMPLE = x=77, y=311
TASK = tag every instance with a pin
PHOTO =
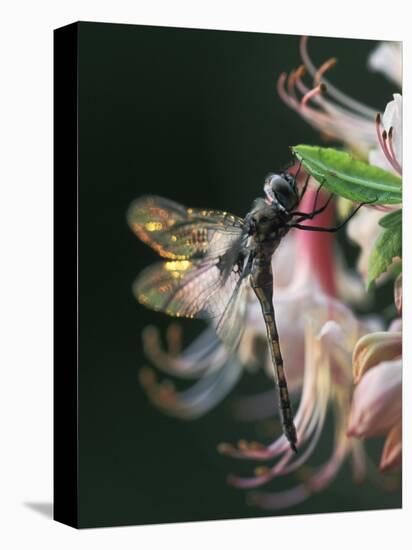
x=192, y=115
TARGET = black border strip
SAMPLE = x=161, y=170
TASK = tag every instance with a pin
x=65, y=224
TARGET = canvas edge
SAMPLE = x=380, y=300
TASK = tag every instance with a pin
x=65, y=308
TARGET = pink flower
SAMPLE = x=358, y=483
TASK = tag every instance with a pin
x=345, y=119
x=337, y=115
x=326, y=108
x=326, y=383
x=364, y=228
x=377, y=401
x=392, y=450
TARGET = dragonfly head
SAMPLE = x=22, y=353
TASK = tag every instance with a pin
x=281, y=189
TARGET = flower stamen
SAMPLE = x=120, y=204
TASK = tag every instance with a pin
x=344, y=99
x=397, y=166
x=293, y=76
x=281, y=88
x=318, y=90
x=385, y=141
x=326, y=66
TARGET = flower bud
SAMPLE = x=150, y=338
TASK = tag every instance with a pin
x=377, y=401
x=374, y=348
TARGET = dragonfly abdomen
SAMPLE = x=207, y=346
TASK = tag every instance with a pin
x=262, y=284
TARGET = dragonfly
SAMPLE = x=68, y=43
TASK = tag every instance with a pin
x=212, y=258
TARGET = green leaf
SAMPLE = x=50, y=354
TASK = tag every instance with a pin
x=393, y=218
x=351, y=178
x=387, y=246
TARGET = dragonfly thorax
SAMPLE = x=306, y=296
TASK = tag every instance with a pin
x=267, y=221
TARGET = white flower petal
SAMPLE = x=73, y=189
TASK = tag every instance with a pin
x=392, y=118
x=387, y=59
x=377, y=158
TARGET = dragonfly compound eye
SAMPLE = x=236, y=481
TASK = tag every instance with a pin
x=284, y=192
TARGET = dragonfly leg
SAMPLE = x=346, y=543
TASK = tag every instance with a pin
x=329, y=229
x=311, y=215
x=305, y=186
x=298, y=170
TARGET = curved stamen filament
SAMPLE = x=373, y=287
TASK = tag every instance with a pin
x=283, y=94
x=385, y=143
x=288, y=463
x=397, y=166
x=291, y=82
x=331, y=118
x=294, y=77
x=326, y=66
x=360, y=108
x=318, y=90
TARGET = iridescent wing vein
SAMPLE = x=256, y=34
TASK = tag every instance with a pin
x=203, y=277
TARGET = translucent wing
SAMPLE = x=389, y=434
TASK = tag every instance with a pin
x=198, y=288
x=181, y=233
x=184, y=288
x=230, y=325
